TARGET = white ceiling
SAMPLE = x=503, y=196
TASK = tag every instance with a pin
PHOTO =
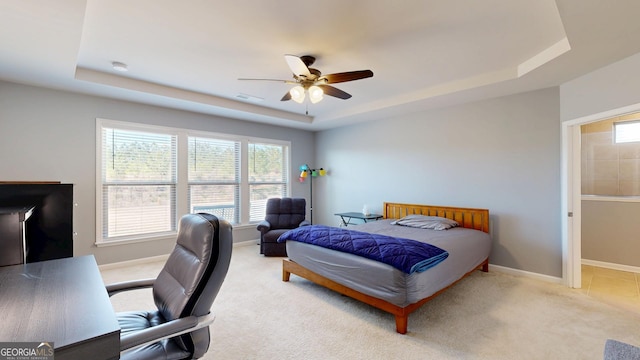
x=423, y=53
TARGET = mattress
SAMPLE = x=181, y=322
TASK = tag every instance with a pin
x=467, y=249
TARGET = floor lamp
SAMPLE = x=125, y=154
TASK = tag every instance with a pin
x=308, y=173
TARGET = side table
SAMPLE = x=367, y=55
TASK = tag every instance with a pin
x=346, y=217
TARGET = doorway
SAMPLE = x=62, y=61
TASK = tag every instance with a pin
x=571, y=192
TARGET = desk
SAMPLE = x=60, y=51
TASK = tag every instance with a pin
x=63, y=301
x=13, y=240
x=348, y=216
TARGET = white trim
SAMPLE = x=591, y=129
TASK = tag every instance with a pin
x=246, y=243
x=603, y=115
x=611, y=198
x=544, y=57
x=566, y=204
x=526, y=274
x=613, y=266
x=137, y=239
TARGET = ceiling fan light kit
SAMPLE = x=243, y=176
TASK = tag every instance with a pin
x=297, y=94
x=310, y=80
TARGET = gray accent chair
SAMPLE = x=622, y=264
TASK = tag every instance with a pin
x=183, y=292
x=617, y=350
x=282, y=215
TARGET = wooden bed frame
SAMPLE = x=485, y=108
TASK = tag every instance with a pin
x=477, y=219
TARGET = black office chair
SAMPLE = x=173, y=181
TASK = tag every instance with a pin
x=281, y=216
x=183, y=292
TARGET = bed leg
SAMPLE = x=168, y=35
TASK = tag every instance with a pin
x=286, y=275
x=485, y=266
x=401, y=324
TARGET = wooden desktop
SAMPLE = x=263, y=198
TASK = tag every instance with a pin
x=63, y=301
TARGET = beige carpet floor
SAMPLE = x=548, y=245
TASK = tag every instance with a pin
x=485, y=316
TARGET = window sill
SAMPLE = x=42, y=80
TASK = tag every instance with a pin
x=611, y=198
x=168, y=236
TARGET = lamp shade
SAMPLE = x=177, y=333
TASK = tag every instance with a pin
x=315, y=94
x=322, y=172
x=297, y=94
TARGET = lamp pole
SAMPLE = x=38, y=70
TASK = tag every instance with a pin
x=306, y=171
x=311, y=197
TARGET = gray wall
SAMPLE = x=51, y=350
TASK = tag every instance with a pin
x=610, y=232
x=48, y=135
x=606, y=225
x=502, y=154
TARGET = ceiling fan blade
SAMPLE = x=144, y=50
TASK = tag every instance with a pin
x=335, y=92
x=347, y=76
x=297, y=66
x=286, y=97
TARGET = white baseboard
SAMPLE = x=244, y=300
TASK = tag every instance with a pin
x=247, y=242
x=607, y=265
x=133, y=262
x=528, y=274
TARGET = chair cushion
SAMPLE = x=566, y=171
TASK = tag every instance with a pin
x=140, y=320
x=185, y=268
x=273, y=235
x=285, y=213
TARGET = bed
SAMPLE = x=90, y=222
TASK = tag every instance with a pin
x=385, y=287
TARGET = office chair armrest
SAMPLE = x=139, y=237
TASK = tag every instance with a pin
x=164, y=331
x=264, y=226
x=304, y=223
x=115, y=288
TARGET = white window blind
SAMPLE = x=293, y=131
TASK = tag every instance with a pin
x=214, y=177
x=138, y=183
x=268, y=176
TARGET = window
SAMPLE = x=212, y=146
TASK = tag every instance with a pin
x=138, y=183
x=149, y=176
x=268, y=169
x=625, y=132
x=214, y=177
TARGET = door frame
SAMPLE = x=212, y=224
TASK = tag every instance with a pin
x=571, y=193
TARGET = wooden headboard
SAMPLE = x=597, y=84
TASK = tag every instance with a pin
x=477, y=219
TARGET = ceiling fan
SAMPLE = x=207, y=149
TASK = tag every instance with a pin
x=312, y=81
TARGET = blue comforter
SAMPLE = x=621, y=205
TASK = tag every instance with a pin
x=404, y=254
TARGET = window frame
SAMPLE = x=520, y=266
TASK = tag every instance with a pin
x=182, y=205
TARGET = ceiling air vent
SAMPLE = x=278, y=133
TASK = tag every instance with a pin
x=245, y=97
